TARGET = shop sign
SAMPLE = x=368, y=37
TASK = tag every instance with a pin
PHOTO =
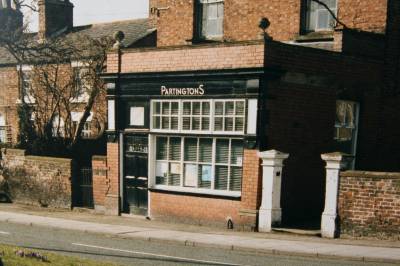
x=182, y=91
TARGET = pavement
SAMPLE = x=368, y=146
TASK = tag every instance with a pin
x=200, y=236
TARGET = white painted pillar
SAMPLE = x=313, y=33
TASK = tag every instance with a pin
x=334, y=162
x=270, y=213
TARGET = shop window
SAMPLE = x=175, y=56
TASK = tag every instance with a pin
x=199, y=116
x=345, y=135
x=214, y=164
x=317, y=17
x=210, y=19
x=229, y=116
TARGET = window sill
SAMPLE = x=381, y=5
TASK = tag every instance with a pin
x=316, y=36
x=207, y=40
x=233, y=194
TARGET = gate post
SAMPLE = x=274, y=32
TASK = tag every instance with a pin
x=334, y=162
x=270, y=211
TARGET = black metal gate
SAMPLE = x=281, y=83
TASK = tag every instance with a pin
x=135, y=175
x=85, y=195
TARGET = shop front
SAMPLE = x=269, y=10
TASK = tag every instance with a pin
x=188, y=143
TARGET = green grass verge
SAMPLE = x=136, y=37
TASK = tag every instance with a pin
x=9, y=257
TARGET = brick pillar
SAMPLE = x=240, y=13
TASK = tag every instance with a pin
x=101, y=183
x=112, y=199
x=250, y=187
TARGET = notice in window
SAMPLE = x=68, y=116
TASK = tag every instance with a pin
x=206, y=173
x=175, y=168
x=191, y=175
x=162, y=169
x=137, y=116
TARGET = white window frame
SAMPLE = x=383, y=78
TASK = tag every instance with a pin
x=355, y=130
x=3, y=129
x=79, y=66
x=26, y=92
x=212, y=117
x=181, y=188
x=319, y=8
x=200, y=23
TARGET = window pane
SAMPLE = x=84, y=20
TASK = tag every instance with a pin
x=206, y=108
x=156, y=122
x=219, y=108
x=186, y=108
x=221, y=177
x=161, y=173
x=191, y=149
x=236, y=179
x=239, y=124
x=174, y=123
x=222, y=151
x=196, y=123
x=229, y=108
x=205, y=123
x=186, y=123
x=191, y=175
x=237, y=152
x=165, y=108
x=174, y=176
x=229, y=124
x=175, y=149
x=174, y=108
x=162, y=147
x=165, y=122
x=205, y=150
x=196, y=108
x=212, y=11
x=204, y=178
x=218, y=124
x=323, y=19
x=240, y=108
x=156, y=108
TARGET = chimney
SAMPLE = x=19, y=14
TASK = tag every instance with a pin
x=55, y=16
x=11, y=17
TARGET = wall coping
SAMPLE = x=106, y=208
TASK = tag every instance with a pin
x=370, y=174
x=12, y=151
x=190, y=47
x=49, y=159
x=99, y=158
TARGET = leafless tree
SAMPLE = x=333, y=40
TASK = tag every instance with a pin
x=54, y=85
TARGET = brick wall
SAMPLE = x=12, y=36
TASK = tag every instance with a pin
x=365, y=15
x=101, y=184
x=9, y=93
x=240, y=55
x=175, y=25
x=369, y=204
x=211, y=210
x=111, y=200
x=53, y=176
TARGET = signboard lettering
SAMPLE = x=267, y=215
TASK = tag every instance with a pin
x=182, y=91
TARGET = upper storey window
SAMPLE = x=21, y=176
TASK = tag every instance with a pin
x=210, y=16
x=318, y=17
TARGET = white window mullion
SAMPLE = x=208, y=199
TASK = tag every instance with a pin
x=229, y=165
x=214, y=149
x=182, y=161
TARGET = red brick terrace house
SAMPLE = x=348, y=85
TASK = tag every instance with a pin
x=55, y=17
x=187, y=118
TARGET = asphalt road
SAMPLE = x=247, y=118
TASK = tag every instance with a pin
x=140, y=252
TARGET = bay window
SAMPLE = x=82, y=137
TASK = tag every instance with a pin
x=203, y=149
x=195, y=162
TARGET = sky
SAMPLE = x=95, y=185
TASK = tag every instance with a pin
x=95, y=11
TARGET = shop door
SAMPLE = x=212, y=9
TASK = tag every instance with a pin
x=135, y=183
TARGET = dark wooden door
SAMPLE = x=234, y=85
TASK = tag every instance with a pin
x=136, y=174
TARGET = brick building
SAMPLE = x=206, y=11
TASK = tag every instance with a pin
x=56, y=21
x=188, y=117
